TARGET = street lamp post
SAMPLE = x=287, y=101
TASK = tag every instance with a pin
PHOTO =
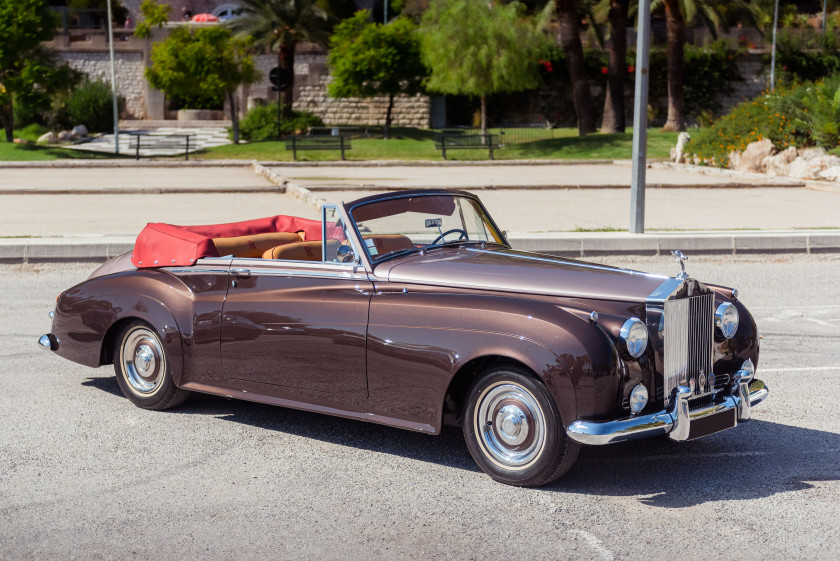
x=773, y=49
x=113, y=82
x=637, y=181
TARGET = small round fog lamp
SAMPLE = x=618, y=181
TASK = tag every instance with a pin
x=638, y=398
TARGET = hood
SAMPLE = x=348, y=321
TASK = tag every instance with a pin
x=518, y=271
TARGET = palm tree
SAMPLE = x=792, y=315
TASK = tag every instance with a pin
x=280, y=25
x=614, y=118
x=568, y=18
x=677, y=13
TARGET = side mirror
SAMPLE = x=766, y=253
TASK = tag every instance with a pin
x=345, y=254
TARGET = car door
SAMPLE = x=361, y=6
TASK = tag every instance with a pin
x=296, y=328
x=207, y=281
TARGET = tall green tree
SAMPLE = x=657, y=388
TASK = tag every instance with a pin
x=280, y=25
x=481, y=48
x=24, y=25
x=371, y=59
x=202, y=68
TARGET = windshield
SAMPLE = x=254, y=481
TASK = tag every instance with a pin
x=402, y=224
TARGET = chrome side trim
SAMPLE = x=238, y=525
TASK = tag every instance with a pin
x=675, y=422
x=303, y=406
x=582, y=265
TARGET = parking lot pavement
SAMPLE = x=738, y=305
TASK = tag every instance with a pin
x=84, y=474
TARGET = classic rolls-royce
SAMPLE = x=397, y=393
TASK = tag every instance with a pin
x=411, y=309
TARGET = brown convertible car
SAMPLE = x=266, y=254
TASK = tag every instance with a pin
x=411, y=309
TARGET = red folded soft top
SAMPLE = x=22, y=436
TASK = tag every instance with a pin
x=165, y=245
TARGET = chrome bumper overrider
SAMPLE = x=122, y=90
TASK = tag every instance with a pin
x=675, y=421
x=48, y=342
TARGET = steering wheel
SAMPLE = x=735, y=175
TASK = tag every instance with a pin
x=441, y=237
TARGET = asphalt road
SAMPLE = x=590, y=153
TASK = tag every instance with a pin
x=84, y=474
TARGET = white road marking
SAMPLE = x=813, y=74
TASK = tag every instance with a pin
x=596, y=544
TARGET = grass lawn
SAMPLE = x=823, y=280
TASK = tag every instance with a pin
x=565, y=145
x=405, y=144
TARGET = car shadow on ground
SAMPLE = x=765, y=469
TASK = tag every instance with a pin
x=446, y=449
x=754, y=460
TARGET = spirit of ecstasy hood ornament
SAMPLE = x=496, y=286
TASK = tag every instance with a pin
x=680, y=256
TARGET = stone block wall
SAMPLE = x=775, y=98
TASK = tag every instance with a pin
x=131, y=83
x=311, y=79
x=408, y=111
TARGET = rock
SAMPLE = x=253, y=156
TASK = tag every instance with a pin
x=804, y=168
x=812, y=153
x=734, y=159
x=753, y=157
x=48, y=138
x=780, y=163
x=831, y=174
x=678, y=153
x=64, y=136
x=80, y=131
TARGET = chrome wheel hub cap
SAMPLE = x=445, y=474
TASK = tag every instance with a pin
x=143, y=362
x=510, y=426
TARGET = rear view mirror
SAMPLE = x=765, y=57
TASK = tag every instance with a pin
x=434, y=222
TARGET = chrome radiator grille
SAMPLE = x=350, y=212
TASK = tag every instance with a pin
x=688, y=338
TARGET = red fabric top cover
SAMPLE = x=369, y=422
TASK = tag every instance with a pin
x=165, y=245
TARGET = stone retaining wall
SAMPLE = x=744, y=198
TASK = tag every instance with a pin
x=131, y=83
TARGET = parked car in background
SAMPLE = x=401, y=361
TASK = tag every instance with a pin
x=411, y=309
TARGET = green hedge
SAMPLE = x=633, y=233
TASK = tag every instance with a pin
x=262, y=123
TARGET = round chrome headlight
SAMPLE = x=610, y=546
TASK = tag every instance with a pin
x=638, y=398
x=726, y=319
x=634, y=337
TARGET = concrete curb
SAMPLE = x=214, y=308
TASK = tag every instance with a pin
x=568, y=244
x=290, y=188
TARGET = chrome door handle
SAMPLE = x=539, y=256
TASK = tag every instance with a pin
x=241, y=273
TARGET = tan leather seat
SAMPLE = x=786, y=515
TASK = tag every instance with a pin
x=386, y=243
x=254, y=245
x=300, y=251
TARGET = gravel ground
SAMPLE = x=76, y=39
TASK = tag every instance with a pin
x=84, y=474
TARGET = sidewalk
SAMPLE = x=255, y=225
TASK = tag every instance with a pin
x=78, y=212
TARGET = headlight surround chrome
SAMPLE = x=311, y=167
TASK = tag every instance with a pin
x=726, y=320
x=638, y=398
x=634, y=337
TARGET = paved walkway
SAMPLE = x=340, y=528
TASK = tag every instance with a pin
x=156, y=143
x=515, y=176
x=89, y=213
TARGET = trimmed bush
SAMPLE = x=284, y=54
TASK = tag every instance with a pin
x=91, y=105
x=261, y=123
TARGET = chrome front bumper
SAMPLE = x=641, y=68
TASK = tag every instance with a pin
x=678, y=422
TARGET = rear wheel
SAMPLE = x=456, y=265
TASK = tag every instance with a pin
x=142, y=368
x=513, y=429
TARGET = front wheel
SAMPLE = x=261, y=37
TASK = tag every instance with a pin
x=142, y=369
x=513, y=429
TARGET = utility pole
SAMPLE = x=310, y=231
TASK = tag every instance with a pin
x=637, y=182
x=114, y=82
x=773, y=50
